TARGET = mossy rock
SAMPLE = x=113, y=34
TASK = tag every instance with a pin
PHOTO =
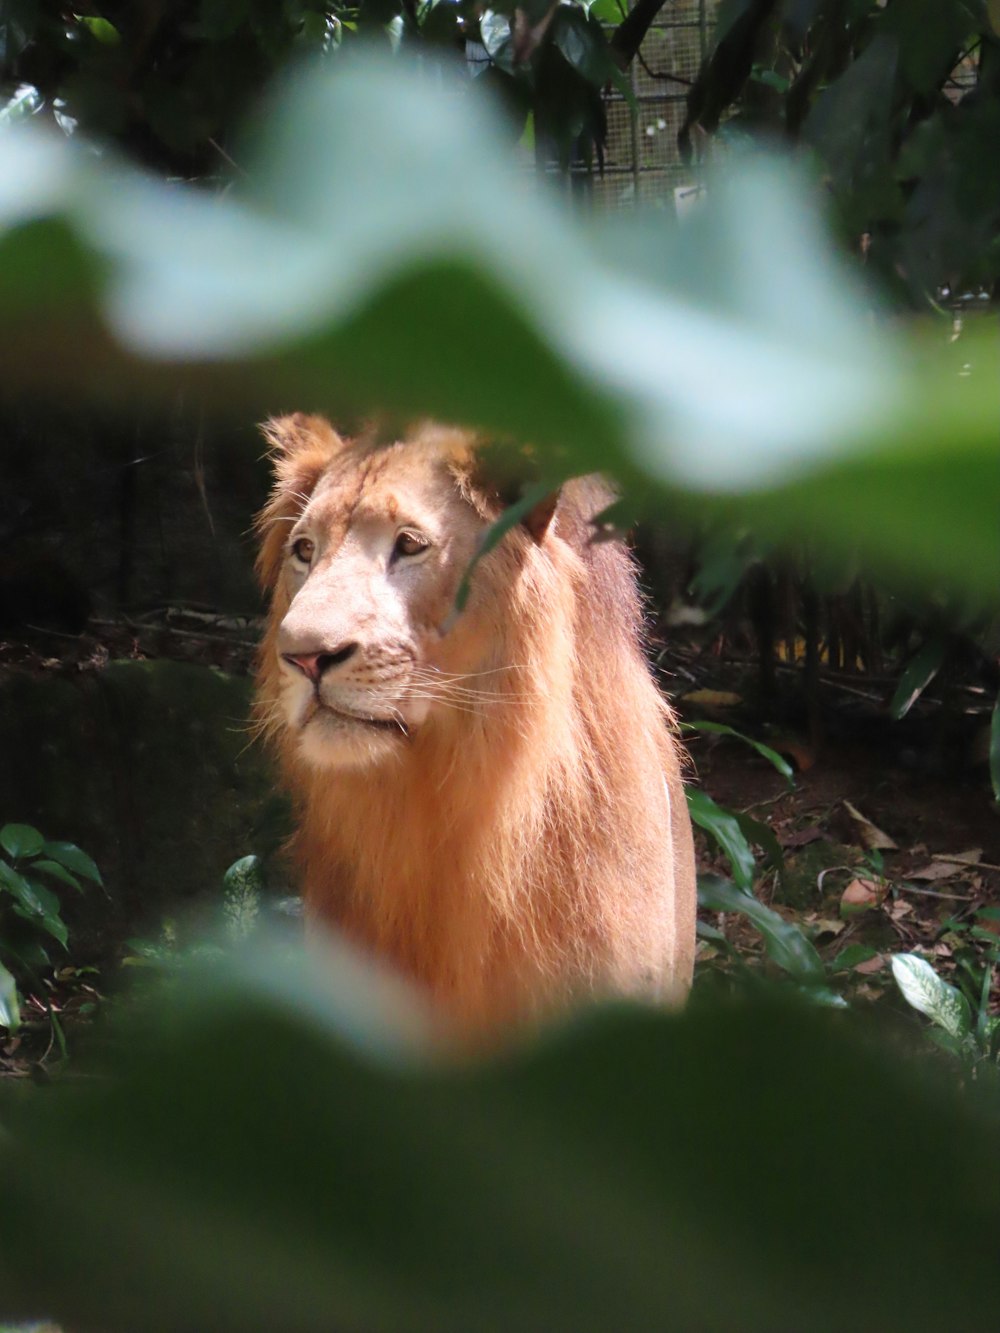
x=803, y=868
x=149, y=766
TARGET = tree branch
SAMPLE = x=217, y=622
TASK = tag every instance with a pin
x=629, y=34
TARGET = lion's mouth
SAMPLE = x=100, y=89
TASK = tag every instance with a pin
x=390, y=724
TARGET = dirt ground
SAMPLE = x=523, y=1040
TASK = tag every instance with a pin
x=888, y=830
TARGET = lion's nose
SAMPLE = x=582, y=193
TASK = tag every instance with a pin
x=314, y=665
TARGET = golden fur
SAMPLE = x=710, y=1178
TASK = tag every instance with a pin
x=491, y=801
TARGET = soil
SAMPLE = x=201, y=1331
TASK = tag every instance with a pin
x=889, y=831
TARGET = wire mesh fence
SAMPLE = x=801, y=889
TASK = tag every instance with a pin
x=642, y=163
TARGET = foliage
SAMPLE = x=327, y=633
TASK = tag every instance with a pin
x=301, y=288
x=270, y=1155
x=898, y=102
x=30, y=914
x=787, y=944
x=170, y=83
x=964, y=1029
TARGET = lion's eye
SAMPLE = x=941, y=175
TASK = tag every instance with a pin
x=303, y=550
x=409, y=544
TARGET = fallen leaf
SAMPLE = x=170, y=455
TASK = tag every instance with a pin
x=801, y=756
x=712, y=698
x=871, y=837
x=900, y=908
x=828, y=926
x=871, y=965
x=936, y=870
x=861, y=894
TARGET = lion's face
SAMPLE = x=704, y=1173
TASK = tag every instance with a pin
x=370, y=571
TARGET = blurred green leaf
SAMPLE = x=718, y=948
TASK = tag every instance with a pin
x=930, y=35
x=581, y=42
x=105, y=32
x=303, y=284
x=786, y=943
x=248, y=1167
x=20, y=840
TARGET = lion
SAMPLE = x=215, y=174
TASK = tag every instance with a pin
x=491, y=801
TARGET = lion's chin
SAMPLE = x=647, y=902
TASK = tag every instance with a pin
x=332, y=740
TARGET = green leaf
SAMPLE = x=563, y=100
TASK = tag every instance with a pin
x=58, y=872
x=250, y=1157
x=16, y=885
x=772, y=756
x=723, y=826
x=34, y=902
x=106, y=33
x=917, y=675
x=70, y=856
x=21, y=840
x=930, y=35
x=849, y=123
x=10, y=1010
x=301, y=285
x=786, y=944
x=930, y=995
x=582, y=43
x=757, y=833
x=495, y=533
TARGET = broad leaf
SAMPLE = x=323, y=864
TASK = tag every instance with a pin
x=723, y=826
x=34, y=902
x=786, y=943
x=250, y=1167
x=21, y=840
x=70, y=856
x=930, y=995
x=917, y=675
x=319, y=280
x=57, y=871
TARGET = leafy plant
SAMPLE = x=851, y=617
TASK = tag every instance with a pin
x=787, y=944
x=896, y=102
x=965, y=1030
x=30, y=913
x=272, y=1154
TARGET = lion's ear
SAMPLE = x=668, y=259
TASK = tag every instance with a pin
x=291, y=435
x=504, y=477
x=301, y=448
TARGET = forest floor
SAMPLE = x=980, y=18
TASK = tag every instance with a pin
x=888, y=832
